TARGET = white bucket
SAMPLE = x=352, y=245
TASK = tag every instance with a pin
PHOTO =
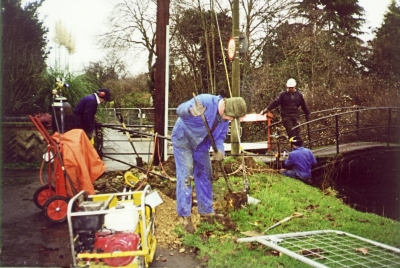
x=122, y=218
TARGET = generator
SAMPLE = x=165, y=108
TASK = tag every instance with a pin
x=113, y=230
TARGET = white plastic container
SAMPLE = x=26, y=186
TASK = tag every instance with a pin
x=122, y=218
x=252, y=200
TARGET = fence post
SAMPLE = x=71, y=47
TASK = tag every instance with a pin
x=309, y=135
x=358, y=123
x=140, y=117
x=389, y=126
x=337, y=133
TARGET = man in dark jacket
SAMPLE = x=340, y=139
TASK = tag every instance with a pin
x=289, y=100
x=84, y=113
x=300, y=160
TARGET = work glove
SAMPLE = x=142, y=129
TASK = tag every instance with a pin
x=218, y=156
x=197, y=109
x=263, y=111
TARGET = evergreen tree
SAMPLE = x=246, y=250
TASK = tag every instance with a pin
x=341, y=20
x=385, y=58
x=23, y=56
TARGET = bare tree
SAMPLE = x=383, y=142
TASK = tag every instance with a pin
x=196, y=55
x=260, y=19
x=132, y=26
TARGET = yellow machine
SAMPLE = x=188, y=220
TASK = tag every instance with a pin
x=113, y=230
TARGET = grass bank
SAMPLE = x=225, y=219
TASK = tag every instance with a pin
x=280, y=197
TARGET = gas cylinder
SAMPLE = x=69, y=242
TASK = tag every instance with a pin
x=61, y=109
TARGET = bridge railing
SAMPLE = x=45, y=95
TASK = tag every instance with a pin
x=326, y=128
x=140, y=118
x=351, y=124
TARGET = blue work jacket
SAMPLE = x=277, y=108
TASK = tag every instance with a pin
x=86, y=110
x=190, y=132
x=301, y=160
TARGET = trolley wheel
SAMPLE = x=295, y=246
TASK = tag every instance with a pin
x=43, y=194
x=56, y=208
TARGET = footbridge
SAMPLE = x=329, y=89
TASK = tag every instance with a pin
x=347, y=132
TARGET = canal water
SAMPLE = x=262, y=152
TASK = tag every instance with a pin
x=370, y=183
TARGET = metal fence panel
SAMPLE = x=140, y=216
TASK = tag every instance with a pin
x=329, y=248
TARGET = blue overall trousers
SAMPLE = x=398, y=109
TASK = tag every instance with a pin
x=191, y=147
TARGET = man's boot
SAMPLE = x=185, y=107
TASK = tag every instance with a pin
x=211, y=217
x=186, y=223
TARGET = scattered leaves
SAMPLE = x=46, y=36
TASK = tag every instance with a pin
x=311, y=207
x=276, y=253
x=163, y=259
x=251, y=233
x=330, y=191
x=205, y=259
x=312, y=252
x=362, y=250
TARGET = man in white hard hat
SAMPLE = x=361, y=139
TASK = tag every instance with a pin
x=289, y=100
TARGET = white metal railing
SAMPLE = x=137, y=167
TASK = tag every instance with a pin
x=330, y=248
x=134, y=116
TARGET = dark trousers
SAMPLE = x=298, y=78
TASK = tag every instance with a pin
x=77, y=122
x=290, y=121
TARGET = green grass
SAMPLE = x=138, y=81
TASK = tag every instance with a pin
x=280, y=197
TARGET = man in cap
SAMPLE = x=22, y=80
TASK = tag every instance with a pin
x=191, y=145
x=289, y=100
x=298, y=164
x=84, y=113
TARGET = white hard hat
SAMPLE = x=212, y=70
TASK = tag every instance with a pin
x=291, y=83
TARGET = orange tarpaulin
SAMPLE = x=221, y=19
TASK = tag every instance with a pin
x=81, y=161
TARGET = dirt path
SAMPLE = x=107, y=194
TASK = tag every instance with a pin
x=28, y=240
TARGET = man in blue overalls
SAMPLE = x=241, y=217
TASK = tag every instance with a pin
x=191, y=146
x=300, y=161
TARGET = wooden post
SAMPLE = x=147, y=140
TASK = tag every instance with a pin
x=235, y=124
x=159, y=86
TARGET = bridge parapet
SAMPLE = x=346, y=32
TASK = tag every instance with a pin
x=352, y=124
